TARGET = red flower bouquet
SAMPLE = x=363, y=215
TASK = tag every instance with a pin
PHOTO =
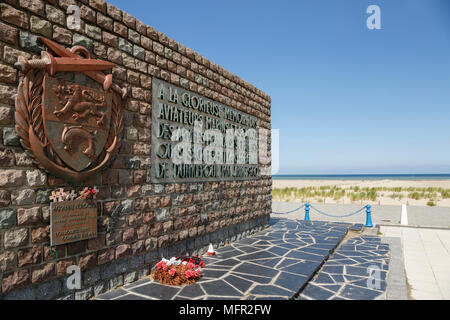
x=178, y=271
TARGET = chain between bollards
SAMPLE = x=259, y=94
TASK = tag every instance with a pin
x=368, y=214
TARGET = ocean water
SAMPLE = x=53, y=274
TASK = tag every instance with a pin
x=362, y=177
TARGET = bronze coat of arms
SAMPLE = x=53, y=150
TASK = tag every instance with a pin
x=69, y=112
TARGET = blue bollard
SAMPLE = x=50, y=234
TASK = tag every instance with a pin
x=307, y=211
x=368, y=217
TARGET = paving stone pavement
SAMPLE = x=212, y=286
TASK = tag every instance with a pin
x=356, y=271
x=275, y=263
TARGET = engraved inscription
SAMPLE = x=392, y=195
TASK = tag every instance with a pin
x=73, y=221
x=198, y=139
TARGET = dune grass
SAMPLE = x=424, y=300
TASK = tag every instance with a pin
x=355, y=194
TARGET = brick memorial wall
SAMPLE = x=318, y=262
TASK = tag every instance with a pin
x=142, y=216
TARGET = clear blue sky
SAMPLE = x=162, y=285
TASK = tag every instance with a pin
x=345, y=98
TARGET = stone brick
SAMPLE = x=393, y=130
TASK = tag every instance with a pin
x=152, y=33
x=81, y=40
x=15, y=280
x=153, y=202
x=125, y=45
x=8, y=34
x=120, y=29
x=150, y=244
x=139, y=176
x=148, y=217
x=125, y=177
x=7, y=74
x=12, y=178
x=146, y=43
x=7, y=96
x=15, y=238
x=162, y=214
x=21, y=294
x=62, y=35
x=87, y=261
x=99, y=5
x=21, y=197
x=8, y=261
x=36, y=6
x=104, y=22
x=183, y=234
x=42, y=273
x=141, y=27
x=139, y=52
x=123, y=250
x=133, y=191
x=76, y=247
x=6, y=158
x=36, y=178
x=5, y=198
x=64, y=4
x=129, y=235
x=129, y=20
x=41, y=234
x=41, y=26
x=100, y=50
x=28, y=216
x=13, y=16
x=6, y=115
x=167, y=226
x=97, y=243
x=29, y=256
x=165, y=201
x=49, y=290
x=105, y=256
x=43, y=196
x=10, y=137
x=110, y=39
x=114, y=12
x=143, y=232
x=55, y=15
x=93, y=32
x=111, y=207
x=87, y=13
x=62, y=265
x=133, y=36
x=30, y=42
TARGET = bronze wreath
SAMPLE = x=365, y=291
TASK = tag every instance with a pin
x=30, y=129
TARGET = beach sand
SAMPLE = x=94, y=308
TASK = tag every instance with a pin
x=383, y=200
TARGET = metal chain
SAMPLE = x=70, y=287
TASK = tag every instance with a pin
x=336, y=216
x=290, y=210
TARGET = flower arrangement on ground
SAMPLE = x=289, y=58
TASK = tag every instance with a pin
x=178, y=271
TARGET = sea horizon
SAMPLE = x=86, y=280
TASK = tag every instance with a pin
x=438, y=176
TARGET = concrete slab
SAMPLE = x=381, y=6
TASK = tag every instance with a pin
x=427, y=260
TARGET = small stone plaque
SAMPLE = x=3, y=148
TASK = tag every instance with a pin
x=72, y=221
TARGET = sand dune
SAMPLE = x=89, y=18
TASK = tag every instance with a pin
x=383, y=199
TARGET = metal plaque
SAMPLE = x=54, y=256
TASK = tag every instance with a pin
x=72, y=221
x=177, y=110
